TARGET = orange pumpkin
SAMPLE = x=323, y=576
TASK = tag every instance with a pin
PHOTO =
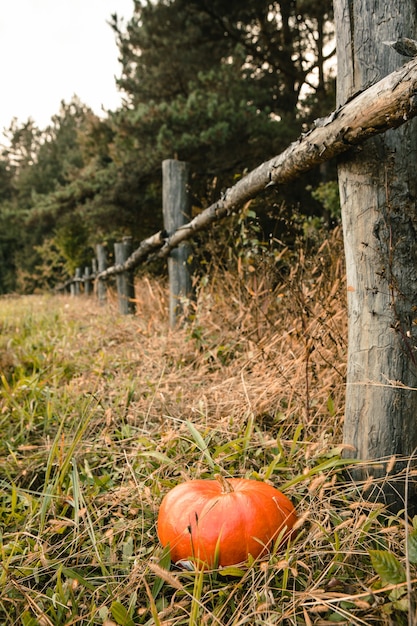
x=221, y=522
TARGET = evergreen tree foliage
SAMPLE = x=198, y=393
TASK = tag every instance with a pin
x=223, y=85
x=39, y=166
x=219, y=84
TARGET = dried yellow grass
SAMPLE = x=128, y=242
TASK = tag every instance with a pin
x=252, y=383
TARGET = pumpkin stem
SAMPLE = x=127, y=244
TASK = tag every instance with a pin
x=226, y=486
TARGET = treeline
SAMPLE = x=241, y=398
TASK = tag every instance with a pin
x=224, y=86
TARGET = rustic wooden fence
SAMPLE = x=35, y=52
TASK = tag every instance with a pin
x=386, y=104
x=176, y=209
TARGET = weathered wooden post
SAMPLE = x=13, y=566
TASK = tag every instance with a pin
x=378, y=190
x=177, y=212
x=87, y=281
x=101, y=266
x=75, y=286
x=125, y=281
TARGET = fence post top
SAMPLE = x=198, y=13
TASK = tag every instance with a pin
x=170, y=162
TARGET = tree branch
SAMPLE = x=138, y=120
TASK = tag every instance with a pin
x=387, y=104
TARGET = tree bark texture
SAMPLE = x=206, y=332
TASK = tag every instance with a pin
x=125, y=281
x=76, y=284
x=87, y=281
x=378, y=190
x=176, y=208
x=101, y=266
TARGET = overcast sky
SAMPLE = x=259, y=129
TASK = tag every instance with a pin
x=53, y=49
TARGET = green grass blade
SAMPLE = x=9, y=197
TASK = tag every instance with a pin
x=201, y=444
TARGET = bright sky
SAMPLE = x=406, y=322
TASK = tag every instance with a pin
x=53, y=49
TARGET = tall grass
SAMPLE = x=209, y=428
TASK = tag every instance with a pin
x=100, y=415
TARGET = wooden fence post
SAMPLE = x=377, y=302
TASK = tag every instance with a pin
x=125, y=282
x=87, y=281
x=75, y=286
x=177, y=212
x=101, y=266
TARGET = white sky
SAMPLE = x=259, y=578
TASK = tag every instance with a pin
x=53, y=49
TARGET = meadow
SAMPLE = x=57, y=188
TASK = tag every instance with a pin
x=101, y=414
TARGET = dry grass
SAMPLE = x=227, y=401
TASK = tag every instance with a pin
x=101, y=414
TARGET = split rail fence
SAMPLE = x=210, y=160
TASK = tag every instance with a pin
x=387, y=104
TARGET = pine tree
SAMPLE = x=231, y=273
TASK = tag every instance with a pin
x=216, y=84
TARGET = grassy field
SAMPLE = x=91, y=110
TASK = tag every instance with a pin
x=100, y=415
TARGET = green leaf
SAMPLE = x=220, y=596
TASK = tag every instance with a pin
x=71, y=573
x=154, y=454
x=387, y=566
x=412, y=546
x=201, y=444
x=120, y=614
x=401, y=605
x=232, y=570
x=165, y=563
x=331, y=407
x=127, y=550
x=337, y=618
x=328, y=464
x=297, y=435
x=28, y=620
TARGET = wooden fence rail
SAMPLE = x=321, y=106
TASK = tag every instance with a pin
x=386, y=104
